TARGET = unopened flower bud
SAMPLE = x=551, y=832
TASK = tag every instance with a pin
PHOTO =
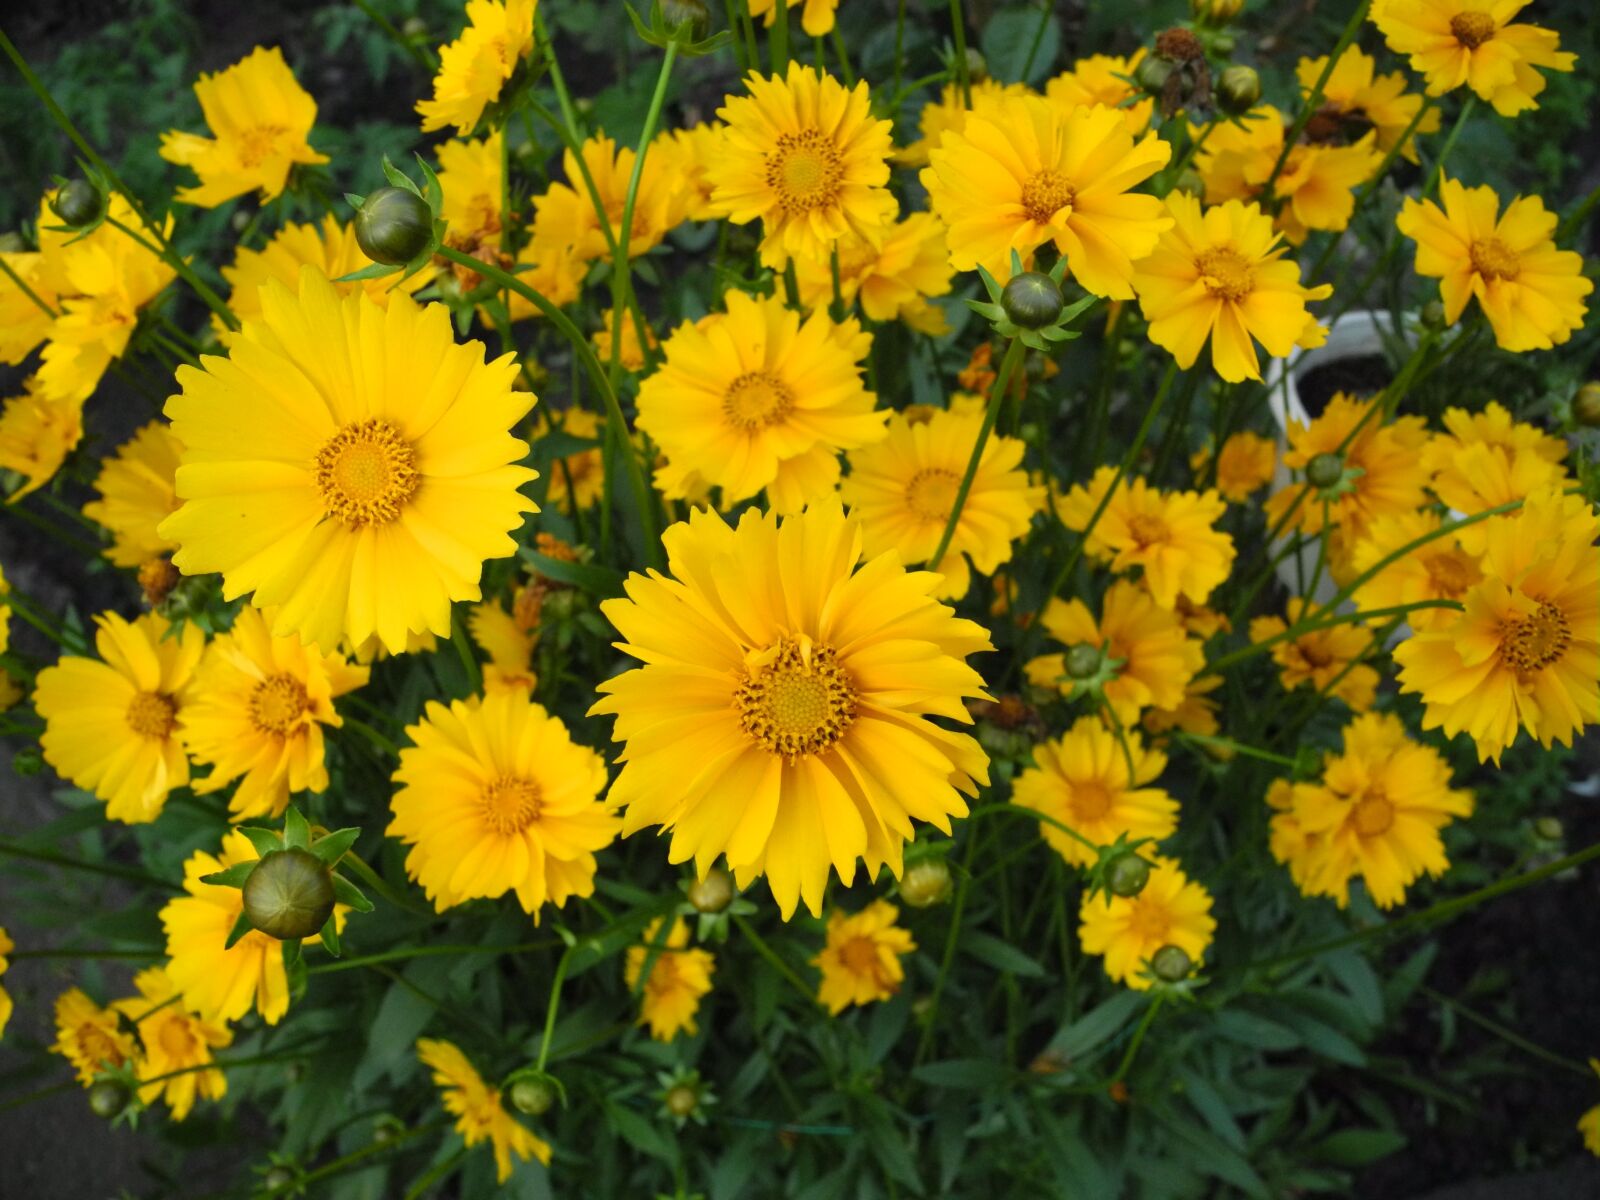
x=977, y=65
x=681, y=1101
x=394, y=226
x=1171, y=964
x=1127, y=876
x=414, y=27
x=1433, y=315
x=1032, y=300
x=1325, y=470
x=926, y=883
x=1083, y=661
x=1549, y=828
x=1238, y=90
x=278, y=1177
x=677, y=13
x=1215, y=12
x=713, y=893
x=289, y=894
x=532, y=1097
x=108, y=1097
x=1152, y=74
x=1586, y=405
x=79, y=203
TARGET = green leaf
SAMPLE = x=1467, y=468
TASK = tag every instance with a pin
x=375, y=271
x=296, y=830
x=1250, y=1030
x=1357, y=1147
x=590, y=577
x=1009, y=39
x=1001, y=955
x=1096, y=1026
x=639, y=1133
x=349, y=894
x=264, y=840
x=233, y=876
x=397, y=178
x=331, y=847
x=1355, y=974
x=330, y=936
x=974, y=1073
x=353, y=200
x=240, y=927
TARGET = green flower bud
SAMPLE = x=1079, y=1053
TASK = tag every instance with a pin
x=1152, y=74
x=1127, y=876
x=79, y=203
x=532, y=1097
x=1171, y=964
x=1238, y=90
x=278, y=1177
x=926, y=883
x=415, y=27
x=1586, y=405
x=1083, y=661
x=1032, y=300
x=289, y=894
x=108, y=1097
x=394, y=226
x=1432, y=315
x=713, y=893
x=1325, y=470
x=681, y=1101
x=1549, y=828
x=677, y=13
x=977, y=65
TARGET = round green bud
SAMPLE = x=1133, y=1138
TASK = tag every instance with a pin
x=977, y=65
x=1325, y=470
x=1083, y=661
x=1586, y=405
x=713, y=893
x=415, y=27
x=1549, y=828
x=1238, y=90
x=79, y=203
x=1433, y=315
x=677, y=13
x=108, y=1097
x=532, y=1097
x=1171, y=964
x=681, y=1101
x=279, y=1176
x=926, y=883
x=1032, y=300
x=1152, y=73
x=1127, y=876
x=394, y=226
x=289, y=894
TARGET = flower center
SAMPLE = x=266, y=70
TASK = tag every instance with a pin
x=664, y=975
x=801, y=703
x=1226, y=273
x=1149, y=921
x=1449, y=574
x=258, y=143
x=510, y=804
x=1090, y=801
x=367, y=472
x=805, y=171
x=1147, y=529
x=1472, y=29
x=277, y=703
x=1493, y=259
x=1373, y=814
x=756, y=400
x=860, y=955
x=1535, y=642
x=177, y=1039
x=152, y=715
x=1046, y=194
x=931, y=494
x=98, y=1046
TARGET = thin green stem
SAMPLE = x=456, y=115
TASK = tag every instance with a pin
x=1310, y=625
x=373, y=880
x=845, y=72
x=110, y=870
x=553, y=1004
x=1206, y=739
x=778, y=39
x=1510, y=1036
x=997, y=395
x=776, y=961
x=405, y=952
x=1138, y=1039
x=1435, y=175
x=344, y=1163
x=958, y=25
x=443, y=1171
x=1313, y=99
x=425, y=58
x=27, y=291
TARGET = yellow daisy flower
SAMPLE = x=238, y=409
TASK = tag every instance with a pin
x=37, y=432
x=89, y=1037
x=494, y=797
x=891, y=272
x=1245, y=464
x=1168, y=534
x=781, y=716
x=260, y=119
x=349, y=465
x=1322, y=657
x=1531, y=292
x=1441, y=569
x=687, y=155
x=474, y=68
x=950, y=112
x=1483, y=460
x=473, y=187
x=1084, y=780
x=1589, y=1127
x=1474, y=42
x=509, y=646
x=861, y=962
x=136, y=494
x=816, y=16
x=172, y=1040
x=1024, y=172
x=1105, y=79
x=1157, y=657
x=6, y=947
x=564, y=218
x=480, y=1116
x=579, y=478
x=678, y=978
x=904, y=487
x=1195, y=713
x=1222, y=275
x=1128, y=930
x=23, y=324
x=1526, y=652
x=755, y=398
x=807, y=157
x=113, y=727
x=257, y=713
x=1355, y=98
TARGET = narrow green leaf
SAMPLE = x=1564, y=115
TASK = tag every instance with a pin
x=264, y=840
x=233, y=876
x=296, y=830
x=350, y=895
x=331, y=847
x=1357, y=1147
x=330, y=936
x=240, y=927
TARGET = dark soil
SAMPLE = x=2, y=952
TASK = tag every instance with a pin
x=1364, y=376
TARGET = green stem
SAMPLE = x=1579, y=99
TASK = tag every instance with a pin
x=424, y=57
x=778, y=39
x=27, y=291
x=553, y=1004
x=1138, y=1039
x=997, y=396
x=1310, y=625
x=1509, y=1036
x=848, y=75
x=1313, y=98
x=1206, y=739
x=376, y=882
x=777, y=963
x=17, y=850
x=340, y=1165
x=947, y=959
x=404, y=952
x=442, y=1171
x=1435, y=175
x=958, y=25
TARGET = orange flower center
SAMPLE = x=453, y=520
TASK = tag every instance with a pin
x=1147, y=529
x=277, y=703
x=931, y=494
x=259, y=143
x=800, y=704
x=510, y=804
x=757, y=400
x=367, y=472
x=1149, y=921
x=97, y=1046
x=1046, y=193
x=806, y=171
x=1373, y=814
x=1449, y=573
x=860, y=956
x=1493, y=259
x=1472, y=29
x=1091, y=801
x=1226, y=273
x=152, y=715
x=178, y=1039
x=1534, y=642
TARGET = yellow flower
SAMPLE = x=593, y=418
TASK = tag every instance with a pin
x=260, y=119
x=1526, y=652
x=350, y=465
x=5, y=620
x=136, y=495
x=1157, y=657
x=950, y=112
x=631, y=356
x=1085, y=781
x=6, y=947
x=473, y=187
x=1168, y=534
x=678, y=978
x=476, y=1106
x=474, y=68
x=1589, y=1127
x=1105, y=79
x=113, y=727
x=1531, y=292
x=806, y=156
x=37, y=432
x=90, y=1037
x=565, y=220
x=1472, y=42
x=687, y=155
x=1222, y=275
x=1483, y=460
x=753, y=398
x=23, y=324
x=578, y=478
x=1195, y=713
x=782, y=715
x=1375, y=814
x=816, y=16
x=1024, y=172
x=257, y=713
x=1322, y=657
x=1127, y=931
x=1355, y=98
x=891, y=272
x=861, y=962
x=1441, y=569
x=173, y=1040
x=509, y=646
x=1244, y=465
x=904, y=487
x=494, y=797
